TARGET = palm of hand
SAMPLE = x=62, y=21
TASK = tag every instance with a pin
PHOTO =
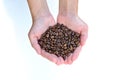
x=39, y=27
x=77, y=25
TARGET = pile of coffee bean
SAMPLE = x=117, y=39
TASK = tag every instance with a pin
x=59, y=40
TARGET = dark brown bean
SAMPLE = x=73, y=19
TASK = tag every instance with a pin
x=59, y=40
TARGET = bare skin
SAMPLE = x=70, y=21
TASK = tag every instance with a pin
x=68, y=15
x=42, y=19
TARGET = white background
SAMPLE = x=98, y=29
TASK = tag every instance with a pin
x=98, y=60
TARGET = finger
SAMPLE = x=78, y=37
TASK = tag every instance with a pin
x=60, y=61
x=83, y=37
x=35, y=45
x=50, y=57
x=69, y=60
x=76, y=53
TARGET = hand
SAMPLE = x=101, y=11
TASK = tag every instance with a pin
x=77, y=25
x=39, y=26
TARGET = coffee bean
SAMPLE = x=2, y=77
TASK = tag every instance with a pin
x=59, y=40
x=60, y=33
x=56, y=33
x=47, y=35
x=52, y=37
x=71, y=47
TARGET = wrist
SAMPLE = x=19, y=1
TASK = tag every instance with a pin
x=41, y=15
x=68, y=8
x=67, y=15
x=43, y=18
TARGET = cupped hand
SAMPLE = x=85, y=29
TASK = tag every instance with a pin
x=39, y=26
x=77, y=25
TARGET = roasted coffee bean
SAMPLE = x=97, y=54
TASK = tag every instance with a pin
x=56, y=33
x=59, y=40
x=52, y=37
x=47, y=35
x=60, y=33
